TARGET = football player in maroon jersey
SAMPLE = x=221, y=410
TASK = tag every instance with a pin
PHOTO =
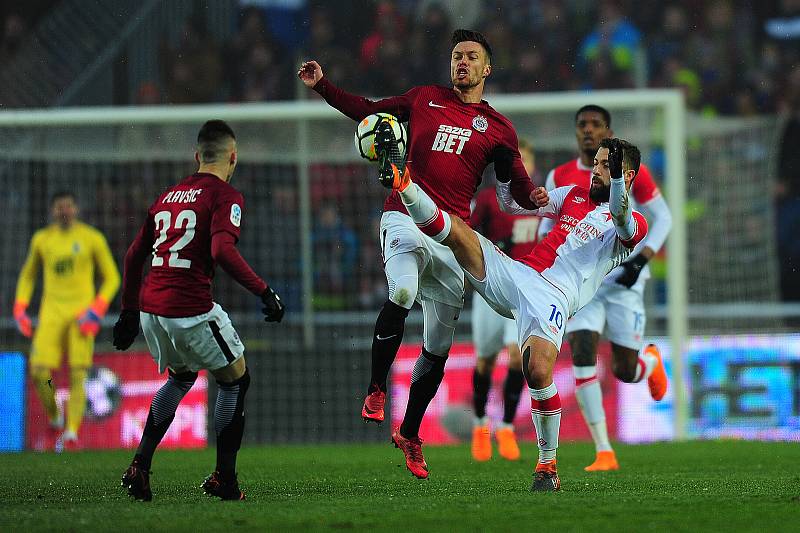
x=454, y=135
x=190, y=228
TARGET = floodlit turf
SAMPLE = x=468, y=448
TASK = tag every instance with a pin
x=700, y=486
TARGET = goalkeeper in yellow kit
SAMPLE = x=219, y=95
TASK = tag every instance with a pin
x=67, y=252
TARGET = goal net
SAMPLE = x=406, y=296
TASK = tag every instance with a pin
x=311, y=218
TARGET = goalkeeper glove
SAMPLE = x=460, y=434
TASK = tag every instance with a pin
x=633, y=267
x=273, y=307
x=24, y=324
x=503, y=158
x=89, y=320
x=126, y=329
x=615, y=154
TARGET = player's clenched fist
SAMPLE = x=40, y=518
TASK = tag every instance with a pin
x=310, y=72
x=540, y=197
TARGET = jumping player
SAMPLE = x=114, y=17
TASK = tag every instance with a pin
x=618, y=308
x=67, y=251
x=454, y=136
x=190, y=228
x=596, y=230
x=515, y=235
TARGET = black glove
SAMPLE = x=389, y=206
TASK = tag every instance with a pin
x=273, y=306
x=615, y=154
x=126, y=329
x=633, y=267
x=503, y=158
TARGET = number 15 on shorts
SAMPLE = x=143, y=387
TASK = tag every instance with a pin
x=556, y=319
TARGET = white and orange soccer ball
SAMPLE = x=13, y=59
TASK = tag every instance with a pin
x=365, y=134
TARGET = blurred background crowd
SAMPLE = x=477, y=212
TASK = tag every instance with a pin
x=732, y=58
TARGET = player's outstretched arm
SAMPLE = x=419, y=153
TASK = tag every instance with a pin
x=355, y=107
x=630, y=229
x=226, y=255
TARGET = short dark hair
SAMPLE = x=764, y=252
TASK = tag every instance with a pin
x=210, y=139
x=591, y=108
x=630, y=153
x=461, y=35
x=58, y=195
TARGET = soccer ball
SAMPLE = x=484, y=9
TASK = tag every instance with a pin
x=365, y=135
x=103, y=393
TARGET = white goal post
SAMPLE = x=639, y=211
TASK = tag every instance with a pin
x=19, y=128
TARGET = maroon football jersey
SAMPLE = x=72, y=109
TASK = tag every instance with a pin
x=181, y=223
x=450, y=142
x=516, y=235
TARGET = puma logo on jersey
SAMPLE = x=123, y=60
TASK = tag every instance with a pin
x=430, y=103
x=451, y=139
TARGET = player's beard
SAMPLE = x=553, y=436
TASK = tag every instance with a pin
x=600, y=193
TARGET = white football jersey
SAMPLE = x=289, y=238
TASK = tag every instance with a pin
x=583, y=245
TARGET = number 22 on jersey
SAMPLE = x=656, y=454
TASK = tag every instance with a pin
x=186, y=220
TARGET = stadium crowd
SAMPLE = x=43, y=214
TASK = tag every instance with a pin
x=731, y=57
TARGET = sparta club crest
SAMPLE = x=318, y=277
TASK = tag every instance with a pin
x=480, y=123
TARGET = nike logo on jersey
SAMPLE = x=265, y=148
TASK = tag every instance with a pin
x=385, y=338
x=578, y=199
x=430, y=103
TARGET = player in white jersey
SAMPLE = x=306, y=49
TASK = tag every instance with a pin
x=596, y=230
x=617, y=310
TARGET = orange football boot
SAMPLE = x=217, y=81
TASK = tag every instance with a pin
x=481, y=443
x=545, y=478
x=604, y=461
x=412, y=449
x=373, y=407
x=507, y=444
x=658, y=378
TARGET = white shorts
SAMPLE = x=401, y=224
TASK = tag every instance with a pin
x=513, y=288
x=490, y=330
x=441, y=279
x=206, y=341
x=615, y=312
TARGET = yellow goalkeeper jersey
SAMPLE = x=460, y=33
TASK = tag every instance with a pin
x=68, y=259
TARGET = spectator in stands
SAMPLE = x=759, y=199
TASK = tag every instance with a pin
x=430, y=39
x=14, y=30
x=335, y=258
x=787, y=197
x=193, y=69
x=608, y=53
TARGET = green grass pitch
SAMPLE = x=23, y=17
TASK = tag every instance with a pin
x=697, y=486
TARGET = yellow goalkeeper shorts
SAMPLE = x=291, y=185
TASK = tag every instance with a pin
x=56, y=334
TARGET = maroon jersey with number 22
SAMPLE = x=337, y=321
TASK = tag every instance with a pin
x=187, y=228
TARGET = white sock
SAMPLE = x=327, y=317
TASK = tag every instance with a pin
x=432, y=221
x=480, y=422
x=647, y=362
x=590, y=399
x=546, y=415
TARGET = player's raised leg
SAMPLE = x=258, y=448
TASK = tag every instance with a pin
x=632, y=366
x=538, y=359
